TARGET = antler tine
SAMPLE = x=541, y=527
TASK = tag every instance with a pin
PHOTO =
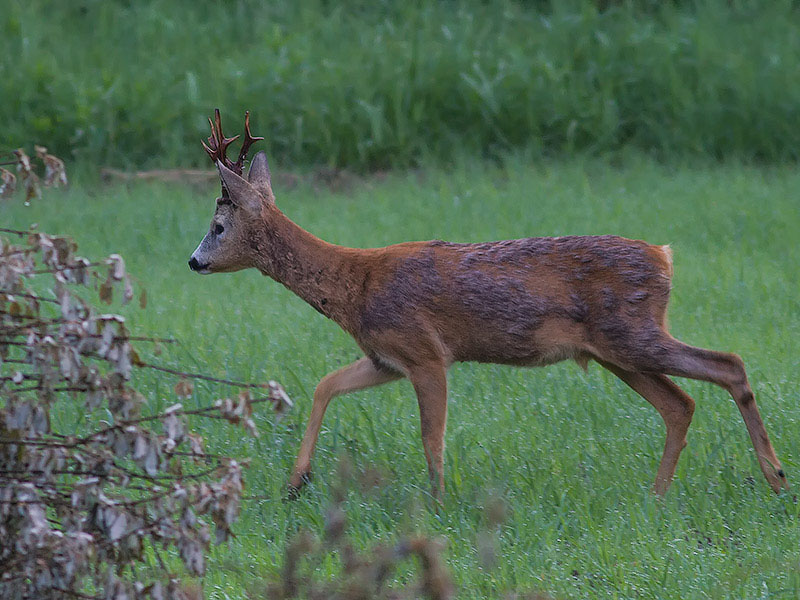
x=224, y=142
x=218, y=143
x=211, y=147
x=249, y=140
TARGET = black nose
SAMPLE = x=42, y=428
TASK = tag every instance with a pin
x=193, y=264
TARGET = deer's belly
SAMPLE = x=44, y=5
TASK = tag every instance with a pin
x=549, y=341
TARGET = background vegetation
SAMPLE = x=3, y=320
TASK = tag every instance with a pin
x=371, y=85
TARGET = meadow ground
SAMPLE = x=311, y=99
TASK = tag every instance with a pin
x=573, y=454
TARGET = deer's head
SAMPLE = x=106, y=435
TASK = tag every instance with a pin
x=226, y=246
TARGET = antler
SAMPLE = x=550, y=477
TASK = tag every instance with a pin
x=218, y=143
x=249, y=140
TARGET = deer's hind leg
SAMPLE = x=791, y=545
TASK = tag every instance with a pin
x=665, y=354
x=674, y=405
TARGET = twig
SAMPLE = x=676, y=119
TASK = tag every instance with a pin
x=200, y=412
x=33, y=388
x=75, y=594
x=130, y=338
x=25, y=376
x=15, y=231
x=66, y=268
x=33, y=296
x=20, y=251
x=203, y=377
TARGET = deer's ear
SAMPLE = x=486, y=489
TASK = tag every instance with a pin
x=241, y=193
x=258, y=176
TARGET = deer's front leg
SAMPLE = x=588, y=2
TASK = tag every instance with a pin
x=357, y=376
x=430, y=384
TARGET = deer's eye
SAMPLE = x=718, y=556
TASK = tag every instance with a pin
x=218, y=229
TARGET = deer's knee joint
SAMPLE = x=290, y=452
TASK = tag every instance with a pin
x=324, y=390
x=747, y=398
x=737, y=366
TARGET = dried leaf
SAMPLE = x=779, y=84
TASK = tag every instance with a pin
x=32, y=189
x=196, y=444
x=281, y=402
x=8, y=183
x=117, y=528
x=107, y=291
x=140, y=447
x=127, y=294
x=173, y=428
x=184, y=388
x=136, y=360
x=117, y=264
x=151, y=460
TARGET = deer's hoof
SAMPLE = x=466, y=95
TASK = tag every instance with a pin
x=297, y=483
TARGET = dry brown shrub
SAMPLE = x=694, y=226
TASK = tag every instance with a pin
x=55, y=174
x=90, y=514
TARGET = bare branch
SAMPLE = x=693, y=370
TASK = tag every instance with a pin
x=202, y=377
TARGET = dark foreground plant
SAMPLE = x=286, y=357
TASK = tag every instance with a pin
x=363, y=575
x=373, y=573
x=91, y=514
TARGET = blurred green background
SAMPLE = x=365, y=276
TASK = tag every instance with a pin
x=376, y=84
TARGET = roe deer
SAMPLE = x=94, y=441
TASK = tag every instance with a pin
x=415, y=308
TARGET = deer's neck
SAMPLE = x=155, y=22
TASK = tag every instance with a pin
x=320, y=273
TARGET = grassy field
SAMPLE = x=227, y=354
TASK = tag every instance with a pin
x=372, y=85
x=572, y=454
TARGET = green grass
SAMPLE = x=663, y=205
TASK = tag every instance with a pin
x=572, y=454
x=370, y=85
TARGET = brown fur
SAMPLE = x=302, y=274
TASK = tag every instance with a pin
x=415, y=308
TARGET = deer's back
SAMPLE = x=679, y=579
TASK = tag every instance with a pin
x=525, y=301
